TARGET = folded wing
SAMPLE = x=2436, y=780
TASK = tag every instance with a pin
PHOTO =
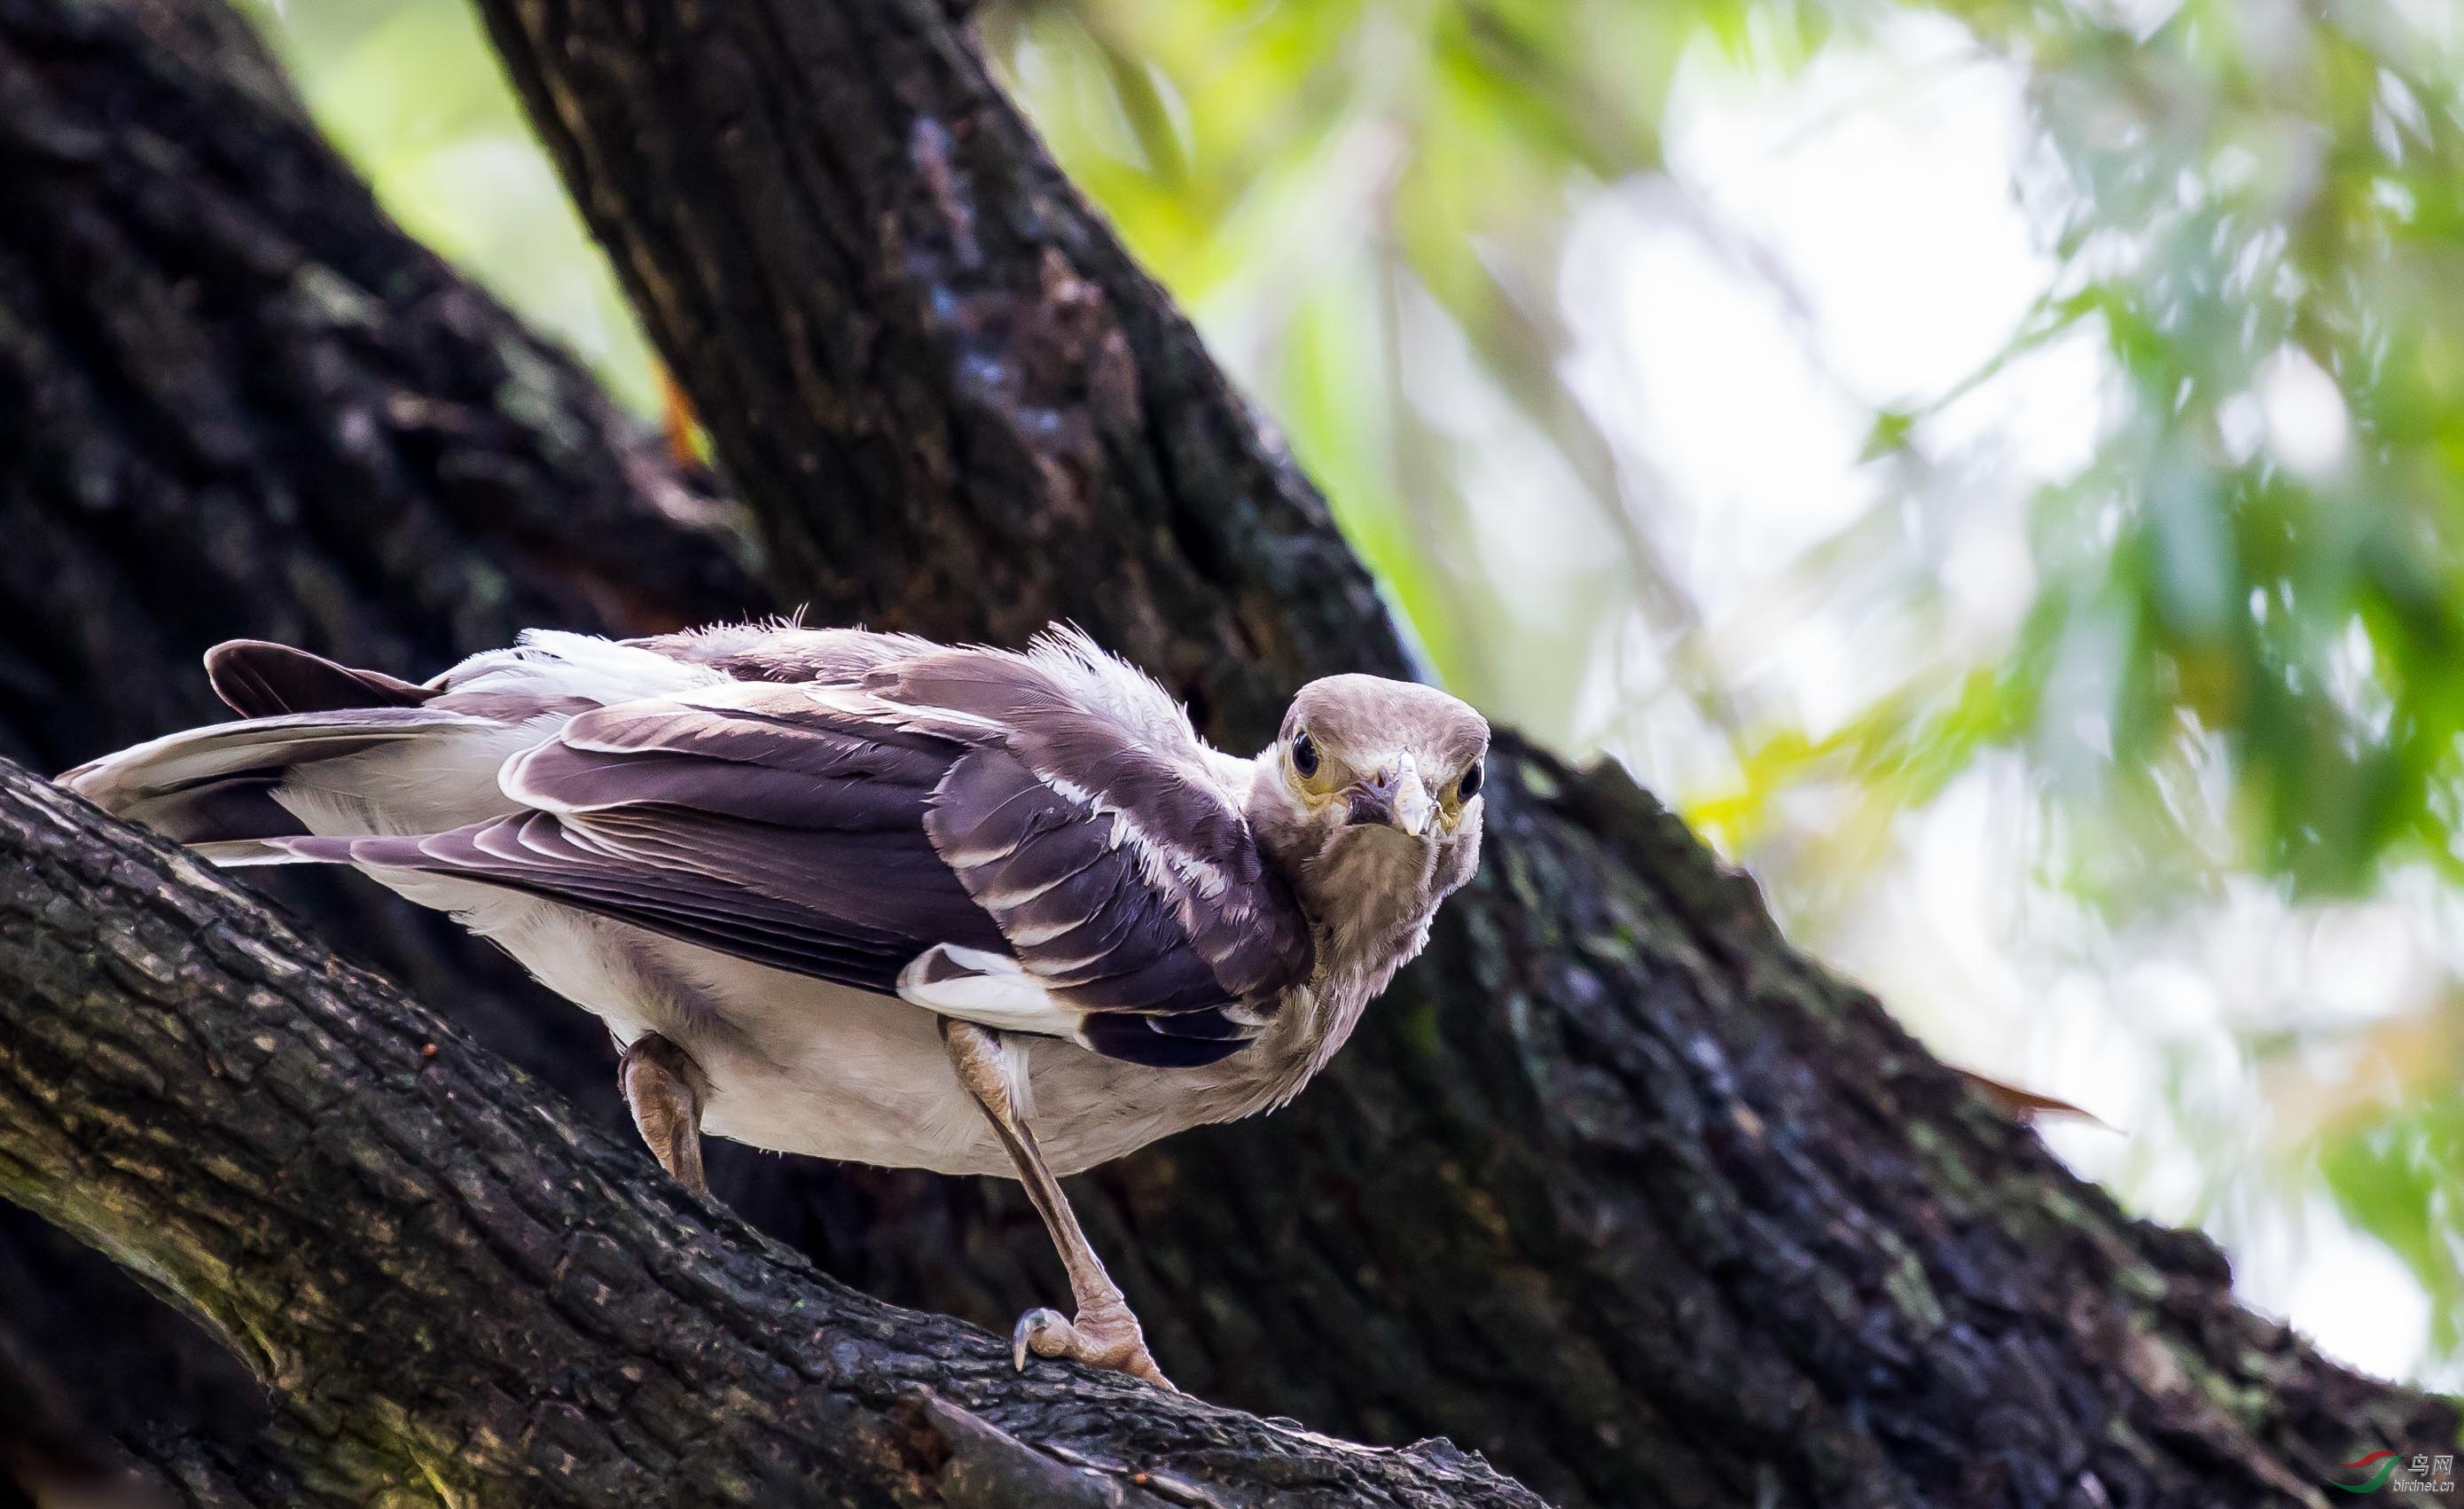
x=966, y=828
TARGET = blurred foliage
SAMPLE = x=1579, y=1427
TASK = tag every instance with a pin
x=2269, y=234
x=2238, y=663
x=2394, y=1166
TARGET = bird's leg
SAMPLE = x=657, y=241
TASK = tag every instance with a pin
x=1104, y=1333
x=663, y=1086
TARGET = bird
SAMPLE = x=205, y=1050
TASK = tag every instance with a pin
x=864, y=896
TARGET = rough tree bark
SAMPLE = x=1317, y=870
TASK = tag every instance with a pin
x=453, y=1285
x=1614, y=1186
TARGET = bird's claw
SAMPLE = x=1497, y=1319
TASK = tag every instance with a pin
x=1109, y=1338
x=1036, y=1332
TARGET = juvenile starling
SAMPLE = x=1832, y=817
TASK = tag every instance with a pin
x=867, y=897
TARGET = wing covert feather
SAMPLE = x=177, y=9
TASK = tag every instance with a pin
x=960, y=798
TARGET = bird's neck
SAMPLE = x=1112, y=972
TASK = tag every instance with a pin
x=1370, y=895
x=1373, y=892
x=1355, y=962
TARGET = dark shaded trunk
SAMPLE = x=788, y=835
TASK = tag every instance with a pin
x=234, y=399
x=1613, y=1186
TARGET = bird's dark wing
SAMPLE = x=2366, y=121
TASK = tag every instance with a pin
x=752, y=822
x=848, y=833
x=1092, y=830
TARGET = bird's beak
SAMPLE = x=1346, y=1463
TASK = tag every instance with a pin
x=1394, y=797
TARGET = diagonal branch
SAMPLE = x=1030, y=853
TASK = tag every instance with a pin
x=444, y=1277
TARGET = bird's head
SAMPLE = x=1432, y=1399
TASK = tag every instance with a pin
x=1370, y=803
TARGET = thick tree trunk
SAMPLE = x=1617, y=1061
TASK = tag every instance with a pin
x=449, y=1283
x=1614, y=1186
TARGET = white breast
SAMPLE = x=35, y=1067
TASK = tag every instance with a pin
x=804, y=1066
x=799, y=1066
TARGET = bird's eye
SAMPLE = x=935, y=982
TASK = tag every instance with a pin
x=1468, y=787
x=1304, y=755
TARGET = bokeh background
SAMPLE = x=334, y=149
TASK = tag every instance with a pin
x=1996, y=466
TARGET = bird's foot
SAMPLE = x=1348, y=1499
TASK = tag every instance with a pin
x=663, y=1088
x=1103, y=1336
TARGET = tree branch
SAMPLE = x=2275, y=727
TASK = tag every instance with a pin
x=446, y=1278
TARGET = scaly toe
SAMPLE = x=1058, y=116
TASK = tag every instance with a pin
x=1113, y=1343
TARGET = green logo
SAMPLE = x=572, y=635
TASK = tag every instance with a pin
x=2357, y=1464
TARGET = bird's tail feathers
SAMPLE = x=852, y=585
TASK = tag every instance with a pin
x=259, y=680
x=214, y=784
